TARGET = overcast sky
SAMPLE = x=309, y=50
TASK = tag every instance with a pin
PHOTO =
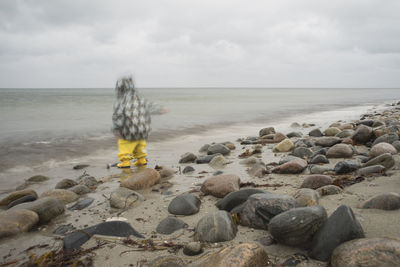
x=179, y=43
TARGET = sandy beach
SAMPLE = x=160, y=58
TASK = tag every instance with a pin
x=144, y=216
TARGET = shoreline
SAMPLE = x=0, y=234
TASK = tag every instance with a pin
x=145, y=216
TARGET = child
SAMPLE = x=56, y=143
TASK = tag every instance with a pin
x=131, y=123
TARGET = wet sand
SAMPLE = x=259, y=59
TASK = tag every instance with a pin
x=145, y=216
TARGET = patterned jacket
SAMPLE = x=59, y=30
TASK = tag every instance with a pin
x=131, y=114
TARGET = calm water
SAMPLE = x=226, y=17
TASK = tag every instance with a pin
x=38, y=124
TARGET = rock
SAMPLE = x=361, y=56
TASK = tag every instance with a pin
x=236, y=198
x=112, y=228
x=362, y=158
x=315, y=169
x=188, y=169
x=396, y=145
x=362, y=134
x=327, y=141
x=296, y=227
x=259, y=209
x=218, y=149
x=81, y=204
x=192, y=249
x=87, y=180
x=185, y=204
x=250, y=161
x=229, y=145
x=63, y=229
x=348, y=141
x=340, y=227
x=385, y=201
x=295, y=125
x=304, y=143
x=316, y=181
x=167, y=261
x=340, y=151
x=123, y=198
x=63, y=195
x=329, y=190
x=366, y=252
x=386, y=138
x=382, y=148
x=370, y=170
x=287, y=158
x=294, y=134
x=279, y=137
x=65, y=184
x=170, y=225
x=17, y=195
x=335, y=124
x=218, y=162
x=366, y=122
x=242, y=255
x=315, y=133
x=80, y=189
x=257, y=170
x=284, y=146
x=318, y=159
x=142, y=179
x=204, y=148
x=47, y=208
x=332, y=131
x=80, y=166
x=215, y=227
x=188, y=157
x=345, y=134
x=346, y=166
x=320, y=151
x=291, y=167
x=37, y=179
x=27, y=198
x=306, y=197
x=386, y=160
x=221, y=185
x=13, y=222
x=267, y=131
x=206, y=159
x=302, y=152
x=377, y=124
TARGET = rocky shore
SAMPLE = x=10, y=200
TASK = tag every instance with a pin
x=312, y=196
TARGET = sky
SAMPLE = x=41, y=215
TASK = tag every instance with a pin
x=207, y=43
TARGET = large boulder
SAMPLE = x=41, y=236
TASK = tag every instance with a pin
x=284, y=146
x=242, y=255
x=221, y=185
x=47, y=208
x=340, y=227
x=316, y=181
x=382, y=148
x=385, y=201
x=365, y=252
x=259, y=209
x=16, y=195
x=13, y=222
x=362, y=134
x=215, y=227
x=292, y=167
x=237, y=198
x=142, y=179
x=340, y=151
x=296, y=227
x=185, y=204
x=65, y=196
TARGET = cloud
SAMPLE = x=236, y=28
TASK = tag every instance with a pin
x=200, y=43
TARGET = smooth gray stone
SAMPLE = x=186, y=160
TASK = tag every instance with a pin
x=294, y=134
x=63, y=229
x=386, y=138
x=218, y=149
x=346, y=166
x=206, y=159
x=81, y=204
x=87, y=180
x=114, y=228
x=385, y=160
x=80, y=189
x=287, y=158
x=315, y=133
x=192, y=249
x=188, y=169
x=27, y=198
x=319, y=159
x=215, y=227
x=236, y=198
x=302, y=152
x=370, y=170
x=327, y=141
x=185, y=204
x=188, y=158
x=65, y=184
x=170, y=225
x=345, y=133
x=304, y=143
x=340, y=227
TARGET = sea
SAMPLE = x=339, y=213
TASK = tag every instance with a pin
x=38, y=124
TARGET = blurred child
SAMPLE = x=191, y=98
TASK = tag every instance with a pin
x=131, y=123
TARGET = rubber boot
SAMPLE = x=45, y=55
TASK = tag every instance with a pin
x=124, y=164
x=140, y=162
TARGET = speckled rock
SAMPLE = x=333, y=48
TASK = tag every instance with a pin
x=13, y=222
x=316, y=181
x=329, y=190
x=382, y=148
x=385, y=201
x=302, y=152
x=142, y=179
x=340, y=151
x=193, y=248
x=221, y=185
x=306, y=197
x=367, y=252
x=215, y=227
x=218, y=162
x=296, y=227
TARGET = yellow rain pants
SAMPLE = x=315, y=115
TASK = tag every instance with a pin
x=129, y=150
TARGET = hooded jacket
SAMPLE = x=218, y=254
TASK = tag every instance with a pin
x=131, y=113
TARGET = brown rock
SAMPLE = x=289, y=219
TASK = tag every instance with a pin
x=332, y=131
x=16, y=195
x=382, y=148
x=362, y=134
x=316, y=181
x=291, y=167
x=339, y=151
x=243, y=255
x=385, y=201
x=13, y=222
x=284, y=146
x=306, y=197
x=348, y=141
x=367, y=252
x=65, y=196
x=347, y=126
x=279, y=137
x=221, y=185
x=142, y=179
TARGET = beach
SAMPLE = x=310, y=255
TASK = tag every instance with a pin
x=145, y=215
